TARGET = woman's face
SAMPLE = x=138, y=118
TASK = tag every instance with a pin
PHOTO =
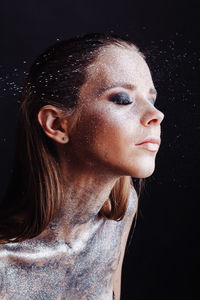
x=117, y=115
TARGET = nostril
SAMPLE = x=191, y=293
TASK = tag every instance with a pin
x=153, y=117
x=153, y=121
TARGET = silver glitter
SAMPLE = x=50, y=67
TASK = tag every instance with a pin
x=36, y=269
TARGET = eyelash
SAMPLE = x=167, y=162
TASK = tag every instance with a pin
x=118, y=99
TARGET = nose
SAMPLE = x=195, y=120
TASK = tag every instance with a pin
x=152, y=117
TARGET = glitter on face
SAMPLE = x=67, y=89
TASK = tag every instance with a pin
x=32, y=270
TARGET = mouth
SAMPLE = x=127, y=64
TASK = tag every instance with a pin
x=150, y=143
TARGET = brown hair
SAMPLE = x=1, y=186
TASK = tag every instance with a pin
x=34, y=193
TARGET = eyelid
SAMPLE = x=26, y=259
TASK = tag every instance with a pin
x=113, y=95
x=117, y=90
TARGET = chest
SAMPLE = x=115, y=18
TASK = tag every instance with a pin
x=58, y=272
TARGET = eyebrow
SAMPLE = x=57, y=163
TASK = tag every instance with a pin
x=127, y=86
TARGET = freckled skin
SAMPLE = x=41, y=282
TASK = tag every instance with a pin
x=107, y=133
x=78, y=255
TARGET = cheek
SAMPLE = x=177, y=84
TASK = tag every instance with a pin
x=106, y=137
x=112, y=136
x=102, y=132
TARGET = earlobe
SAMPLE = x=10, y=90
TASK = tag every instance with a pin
x=53, y=125
x=65, y=138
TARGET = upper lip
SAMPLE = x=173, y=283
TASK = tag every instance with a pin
x=151, y=139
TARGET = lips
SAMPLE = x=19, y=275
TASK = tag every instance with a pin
x=152, y=140
x=150, y=143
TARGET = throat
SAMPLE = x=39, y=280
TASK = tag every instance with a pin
x=74, y=236
x=82, y=200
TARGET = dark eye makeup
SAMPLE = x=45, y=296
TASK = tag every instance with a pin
x=121, y=98
x=124, y=99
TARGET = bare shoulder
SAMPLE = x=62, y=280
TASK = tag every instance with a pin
x=125, y=225
x=127, y=222
x=51, y=271
x=2, y=271
x=132, y=205
x=26, y=267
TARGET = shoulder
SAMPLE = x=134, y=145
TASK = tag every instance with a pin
x=132, y=203
x=3, y=265
x=127, y=221
x=125, y=224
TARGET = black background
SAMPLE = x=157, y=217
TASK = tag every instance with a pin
x=162, y=261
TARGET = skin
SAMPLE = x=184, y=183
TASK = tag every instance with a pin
x=99, y=149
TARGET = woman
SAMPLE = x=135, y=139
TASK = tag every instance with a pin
x=87, y=125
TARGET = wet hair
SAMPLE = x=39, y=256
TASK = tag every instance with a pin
x=34, y=192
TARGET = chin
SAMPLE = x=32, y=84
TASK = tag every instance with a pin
x=142, y=169
x=143, y=173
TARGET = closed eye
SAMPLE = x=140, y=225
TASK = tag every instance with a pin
x=121, y=98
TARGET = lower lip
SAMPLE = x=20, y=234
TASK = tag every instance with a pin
x=150, y=146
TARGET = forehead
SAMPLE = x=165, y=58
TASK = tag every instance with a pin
x=119, y=64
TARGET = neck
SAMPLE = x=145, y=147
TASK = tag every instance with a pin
x=84, y=196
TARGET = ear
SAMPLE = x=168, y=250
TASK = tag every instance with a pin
x=53, y=124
